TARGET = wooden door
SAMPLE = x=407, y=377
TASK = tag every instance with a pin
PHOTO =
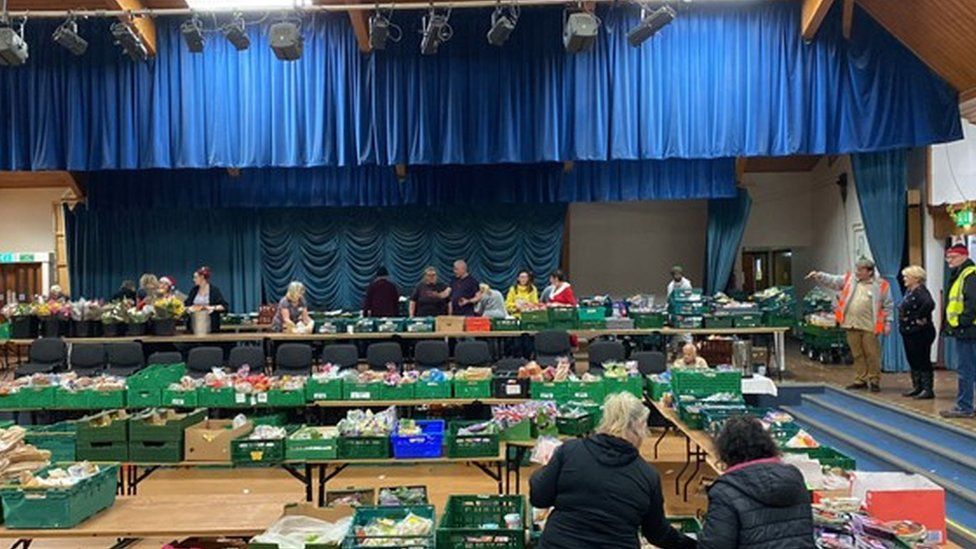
x=20, y=282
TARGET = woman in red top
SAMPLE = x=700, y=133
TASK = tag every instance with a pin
x=562, y=291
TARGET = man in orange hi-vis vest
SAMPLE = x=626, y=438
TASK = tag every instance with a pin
x=863, y=308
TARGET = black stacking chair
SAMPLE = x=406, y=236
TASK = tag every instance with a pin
x=293, y=359
x=124, y=359
x=650, y=362
x=605, y=351
x=46, y=355
x=88, y=359
x=165, y=357
x=202, y=360
x=550, y=345
x=250, y=356
x=472, y=353
x=343, y=355
x=378, y=355
x=429, y=354
x=509, y=365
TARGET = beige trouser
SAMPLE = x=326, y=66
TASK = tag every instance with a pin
x=867, y=355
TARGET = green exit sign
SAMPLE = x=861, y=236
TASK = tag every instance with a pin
x=964, y=218
x=9, y=257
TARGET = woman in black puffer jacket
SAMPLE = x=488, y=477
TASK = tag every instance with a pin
x=758, y=502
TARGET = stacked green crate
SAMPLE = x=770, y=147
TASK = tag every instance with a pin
x=248, y=451
x=592, y=318
x=102, y=437
x=423, y=324
x=505, y=325
x=552, y=390
x=563, y=318
x=364, y=447
x=363, y=391
x=57, y=438
x=463, y=523
x=648, y=320
x=628, y=384
x=483, y=444
x=216, y=397
x=433, y=390
x=364, y=326
x=585, y=390
x=778, y=306
x=699, y=382
x=59, y=508
x=29, y=398
x=367, y=514
x=687, y=308
x=158, y=438
x=144, y=388
x=312, y=444
x=389, y=325
x=536, y=320
x=477, y=388
x=323, y=389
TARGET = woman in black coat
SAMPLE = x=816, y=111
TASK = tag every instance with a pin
x=758, y=502
x=602, y=492
x=917, y=331
x=205, y=296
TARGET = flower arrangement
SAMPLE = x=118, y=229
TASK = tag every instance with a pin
x=139, y=316
x=14, y=310
x=114, y=313
x=84, y=310
x=168, y=308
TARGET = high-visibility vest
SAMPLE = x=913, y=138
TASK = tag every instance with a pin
x=847, y=293
x=954, y=307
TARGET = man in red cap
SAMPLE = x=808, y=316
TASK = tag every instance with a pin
x=960, y=322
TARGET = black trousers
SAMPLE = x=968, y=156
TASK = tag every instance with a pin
x=918, y=347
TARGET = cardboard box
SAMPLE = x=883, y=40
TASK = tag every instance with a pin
x=328, y=514
x=210, y=440
x=449, y=324
x=884, y=497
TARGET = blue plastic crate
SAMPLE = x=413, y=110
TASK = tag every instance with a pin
x=428, y=444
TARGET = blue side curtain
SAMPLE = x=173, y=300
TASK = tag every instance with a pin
x=721, y=81
x=618, y=181
x=726, y=224
x=336, y=252
x=254, y=254
x=882, y=182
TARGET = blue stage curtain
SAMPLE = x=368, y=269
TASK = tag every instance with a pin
x=726, y=224
x=882, y=182
x=719, y=82
x=106, y=247
x=336, y=252
x=617, y=181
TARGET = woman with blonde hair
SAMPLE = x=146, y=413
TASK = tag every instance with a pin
x=602, y=491
x=917, y=331
x=291, y=309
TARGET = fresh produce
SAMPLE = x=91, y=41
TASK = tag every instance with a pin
x=360, y=423
x=315, y=433
x=435, y=375
x=621, y=370
x=59, y=477
x=542, y=413
x=473, y=374
x=387, y=530
x=268, y=432
x=403, y=495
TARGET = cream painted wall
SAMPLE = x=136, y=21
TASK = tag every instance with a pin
x=27, y=219
x=629, y=247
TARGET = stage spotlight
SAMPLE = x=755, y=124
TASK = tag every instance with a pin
x=130, y=42
x=436, y=29
x=13, y=49
x=235, y=34
x=68, y=38
x=286, y=41
x=580, y=31
x=192, y=32
x=503, y=21
x=381, y=29
x=650, y=24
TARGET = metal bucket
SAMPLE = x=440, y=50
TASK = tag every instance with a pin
x=742, y=356
x=200, y=323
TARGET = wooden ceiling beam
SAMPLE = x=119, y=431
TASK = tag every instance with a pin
x=359, y=19
x=812, y=16
x=45, y=180
x=143, y=26
x=848, y=18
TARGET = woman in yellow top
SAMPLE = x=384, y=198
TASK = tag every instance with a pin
x=522, y=293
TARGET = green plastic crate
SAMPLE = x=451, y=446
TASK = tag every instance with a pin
x=592, y=324
x=685, y=525
x=144, y=388
x=179, y=399
x=562, y=314
x=389, y=325
x=432, y=390
x=719, y=322
x=247, y=452
x=57, y=438
x=630, y=384
x=827, y=456
x=579, y=390
x=748, y=321
x=462, y=525
x=364, y=447
x=71, y=400
x=143, y=398
x=155, y=452
x=592, y=314
x=505, y=324
x=209, y=397
x=648, y=320
x=106, y=400
x=367, y=514
x=399, y=392
x=12, y=401
x=538, y=317
x=574, y=426
x=38, y=398
x=420, y=324
x=775, y=320
x=88, y=429
x=557, y=391
x=323, y=389
x=101, y=451
x=657, y=389
x=280, y=398
x=364, y=326
x=363, y=391
x=312, y=449
x=472, y=389
x=520, y=432
x=470, y=446
x=687, y=307
x=703, y=382
x=141, y=430
x=58, y=508
x=276, y=419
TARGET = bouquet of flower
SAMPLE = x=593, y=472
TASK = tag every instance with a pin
x=139, y=316
x=168, y=308
x=14, y=309
x=114, y=313
x=60, y=310
x=84, y=310
x=43, y=309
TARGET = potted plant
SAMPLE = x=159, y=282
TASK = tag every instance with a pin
x=138, y=318
x=113, y=319
x=166, y=312
x=86, y=318
x=23, y=323
x=53, y=317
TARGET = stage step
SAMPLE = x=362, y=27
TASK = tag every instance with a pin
x=882, y=436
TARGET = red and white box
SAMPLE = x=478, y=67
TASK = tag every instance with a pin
x=903, y=496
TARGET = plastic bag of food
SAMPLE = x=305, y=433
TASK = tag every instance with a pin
x=294, y=531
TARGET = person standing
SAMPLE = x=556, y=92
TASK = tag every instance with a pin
x=490, y=303
x=917, y=331
x=382, y=296
x=206, y=297
x=292, y=309
x=863, y=308
x=430, y=297
x=960, y=320
x=678, y=280
x=758, y=502
x=464, y=289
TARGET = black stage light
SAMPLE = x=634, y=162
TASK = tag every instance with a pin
x=436, y=30
x=192, y=33
x=68, y=38
x=503, y=22
x=235, y=34
x=13, y=49
x=129, y=41
x=286, y=41
x=650, y=24
x=580, y=31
